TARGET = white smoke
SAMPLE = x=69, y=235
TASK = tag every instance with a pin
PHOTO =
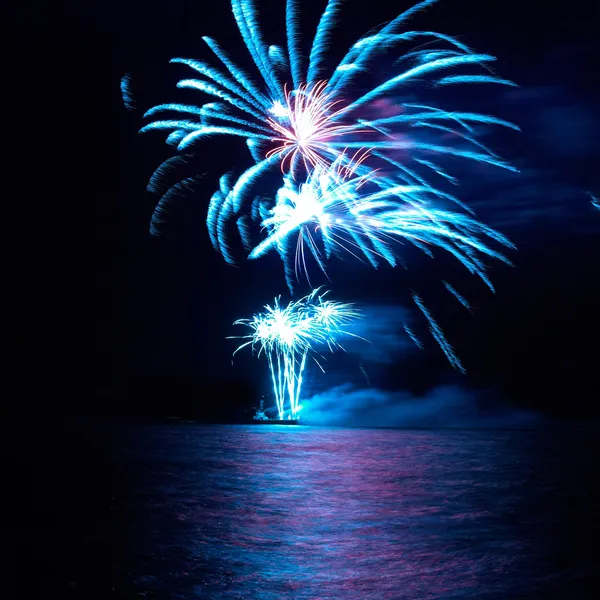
x=443, y=406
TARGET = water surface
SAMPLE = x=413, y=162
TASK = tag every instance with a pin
x=273, y=512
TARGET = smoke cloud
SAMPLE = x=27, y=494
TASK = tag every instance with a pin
x=381, y=335
x=443, y=406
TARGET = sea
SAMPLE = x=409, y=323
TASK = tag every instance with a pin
x=272, y=512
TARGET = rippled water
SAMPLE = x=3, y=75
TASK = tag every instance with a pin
x=272, y=512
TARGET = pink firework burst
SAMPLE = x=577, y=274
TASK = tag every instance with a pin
x=307, y=128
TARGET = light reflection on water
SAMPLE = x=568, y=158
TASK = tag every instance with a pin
x=271, y=512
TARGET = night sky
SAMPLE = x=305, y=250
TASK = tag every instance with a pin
x=150, y=335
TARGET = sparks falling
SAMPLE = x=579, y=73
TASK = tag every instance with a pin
x=288, y=335
x=308, y=128
x=339, y=211
x=299, y=114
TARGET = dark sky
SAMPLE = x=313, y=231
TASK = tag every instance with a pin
x=150, y=337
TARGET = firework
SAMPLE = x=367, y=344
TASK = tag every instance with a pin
x=337, y=210
x=301, y=117
x=306, y=120
x=126, y=94
x=288, y=335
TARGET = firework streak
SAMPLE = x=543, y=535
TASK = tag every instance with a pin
x=287, y=335
x=362, y=171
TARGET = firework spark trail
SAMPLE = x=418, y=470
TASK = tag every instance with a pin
x=366, y=224
x=303, y=120
x=287, y=335
x=411, y=334
x=308, y=130
x=438, y=335
x=160, y=210
x=126, y=93
x=458, y=296
x=298, y=116
x=331, y=213
x=330, y=207
x=156, y=182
